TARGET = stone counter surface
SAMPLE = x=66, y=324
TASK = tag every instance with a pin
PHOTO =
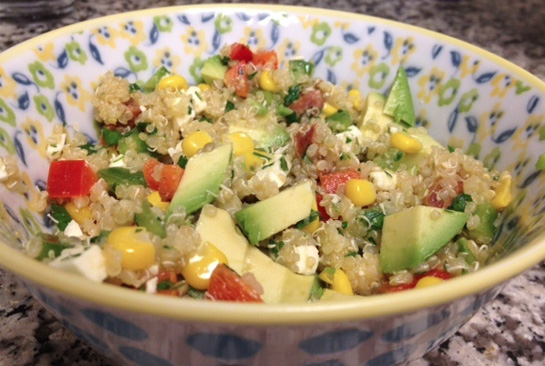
x=510, y=330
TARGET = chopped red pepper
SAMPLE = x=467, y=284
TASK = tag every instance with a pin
x=227, y=285
x=330, y=182
x=265, y=58
x=70, y=178
x=149, y=171
x=170, y=180
x=241, y=52
x=321, y=209
x=434, y=201
x=303, y=140
x=236, y=77
x=309, y=101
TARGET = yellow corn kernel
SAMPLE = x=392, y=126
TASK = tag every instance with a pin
x=254, y=160
x=201, y=264
x=79, y=214
x=137, y=250
x=503, y=195
x=354, y=96
x=428, y=281
x=405, y=142
x=312, y=226
x=338, y=280
x=242, y=143
x=266, y=82
x=329, y=110
x=204, y=87
x=360, y=191
x=194, y=142
x=155, y=200
x=173, y=83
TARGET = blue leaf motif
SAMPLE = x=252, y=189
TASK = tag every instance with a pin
x=436, y=50
x=350, y=38
x=371, y=30
x=184, y=19
x=41, y=184
x=154, y=34
x=472, y=124
x=452, y=119
x=243, y=16
x=19, y=148
x=23, y=101
x=21, y=79
x=59, y=110
x=262, y=16
x=504, y=136
x=318, y=56
x=12, y=214
x=62, y=60
x=216, y=41
x=455, y=58
x=532, y=104
x=532, y=177
x=275, y=34
x=95, y=53
x=331, y=77
x=122, y=72
x=207, y=17
x=412, y=71
x=388, y=41
x=486, y=77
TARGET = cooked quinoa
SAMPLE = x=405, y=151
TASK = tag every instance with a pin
x=301, y=130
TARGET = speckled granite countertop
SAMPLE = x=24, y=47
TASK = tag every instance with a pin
x=508, y=331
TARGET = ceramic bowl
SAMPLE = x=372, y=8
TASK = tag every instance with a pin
x=468, y=98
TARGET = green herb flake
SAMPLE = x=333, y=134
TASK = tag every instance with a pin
x=229, y=106
x=182, y=161
x=344, y=225
x=225, y=60
x=284, y=164
x=372, y=240
x=205, y=119
x=117, y=175
x=275, y=247
x=374, y=218
x=61, y=216
x=459, y=203
x=111, y=137
x=345, y=157
x=261, y=155
x=317, y=290
x=314, y=215
x=450, y=149
x=100, y=238
x=351, y=254
x=252, y=75
x=294, y=93
x=164, y=285
x=134, y=87
x=90, y=148
x=292, y=118
x=348, y=140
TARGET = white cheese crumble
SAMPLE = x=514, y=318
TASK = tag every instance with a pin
x=54, y=148
x=308, y=259
x=73, y=229
x=384, y=180
x=196, y=105
x=151, y=285
x=88, y=262
x=277, y=170
x=175, y=152
x=116, y=161
x=351, y=139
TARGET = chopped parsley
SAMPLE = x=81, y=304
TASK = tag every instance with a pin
x=275, y=247
x=252, y=75
x=111, y=137
x=61, y=216
x=164, y=285
x=450, y=148
x=314, y=215
x=229, y=106
x=351, y=254
x=294, y=93
x=116, y=175
x=284, y=164
x=459, y=203
x=374, y=218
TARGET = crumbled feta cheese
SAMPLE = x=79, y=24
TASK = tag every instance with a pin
x=351, y=139
x=116, y=161
x=54, y=148
x=73, y=229
x=277, y=170
x=395, y=128
x=3, y=171
x=197, y=101
x=308, y=259
x=383, y=180
x=175, y=152
x=88, y=262
x=151, y=285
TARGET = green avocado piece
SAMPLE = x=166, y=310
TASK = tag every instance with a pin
x=213, y=69
x=263, y=138
x=484, y=233
x=280, y=285
x=203, y=176
x=411, y=236
x=152, y=82
x=272, y=215
x=301, y=70
x=399, y=103
x=374, y=122
x=463, y=247
x=131, y=141
x=339, y=122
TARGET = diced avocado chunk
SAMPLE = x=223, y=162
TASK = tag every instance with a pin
x=463, y=247
x=263, y=138
x=340, y=121
x=279, y=283
x=213, y=69
x=399, y=103
x=411, y=236
x=152, y=83
x=204, y=174
x=152, y=221
x=272, y=215
x=131, y=141
x=300, y=70
x=374, y=122
x=485, y=231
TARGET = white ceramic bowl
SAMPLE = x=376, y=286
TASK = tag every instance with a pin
x=467, y=97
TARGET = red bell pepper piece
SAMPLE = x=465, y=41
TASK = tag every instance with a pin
x=170, y=180
x=264, y=58
x=227, y=285
x=70, y=178
x=237, y=78
x=330, y=182
x=313, y=100
x=241, y=52
x=303, y=140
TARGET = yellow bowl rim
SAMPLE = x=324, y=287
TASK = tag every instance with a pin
x=191, y=310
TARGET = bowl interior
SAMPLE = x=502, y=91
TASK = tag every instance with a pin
x=467, y=97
